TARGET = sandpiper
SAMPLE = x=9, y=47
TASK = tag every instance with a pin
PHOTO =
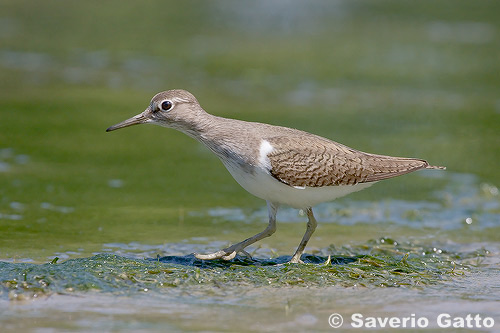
x=281, y=165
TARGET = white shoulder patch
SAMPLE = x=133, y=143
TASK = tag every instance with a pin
x=264, y=150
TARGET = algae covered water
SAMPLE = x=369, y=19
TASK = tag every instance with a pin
x=97, y=231
x=156, y=287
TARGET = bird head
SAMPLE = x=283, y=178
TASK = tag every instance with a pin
x=172, y=108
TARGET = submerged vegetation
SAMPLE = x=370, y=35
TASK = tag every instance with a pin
x=378, y=263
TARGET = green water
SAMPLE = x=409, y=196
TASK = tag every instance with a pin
x=124, y=211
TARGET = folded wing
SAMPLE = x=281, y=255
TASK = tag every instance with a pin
x=304, y=161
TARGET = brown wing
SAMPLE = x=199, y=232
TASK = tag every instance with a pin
x=307, y=161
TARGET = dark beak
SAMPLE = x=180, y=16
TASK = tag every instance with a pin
x=136, y=120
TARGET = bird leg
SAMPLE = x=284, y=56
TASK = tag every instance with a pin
x=230, y=252
x=311, y=226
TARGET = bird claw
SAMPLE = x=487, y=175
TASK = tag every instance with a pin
x=211, y=256
x=224, y=254
x=295, y=260
x=292, y=261
x=229, y=256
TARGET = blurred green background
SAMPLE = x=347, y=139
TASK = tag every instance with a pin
x=404, y=78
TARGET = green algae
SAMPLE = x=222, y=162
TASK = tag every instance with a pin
x=376, y=264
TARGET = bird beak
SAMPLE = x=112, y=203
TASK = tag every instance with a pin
x=136, y=120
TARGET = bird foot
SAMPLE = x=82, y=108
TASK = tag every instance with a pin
x=292, y=261
x=224, y=254
x=295, y=260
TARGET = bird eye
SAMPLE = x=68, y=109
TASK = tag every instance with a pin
x=166, y=105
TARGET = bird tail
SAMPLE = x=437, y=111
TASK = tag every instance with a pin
x=435, y=167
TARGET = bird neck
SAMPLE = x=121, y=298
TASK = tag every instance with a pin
x=220, y=135
x=197, y=124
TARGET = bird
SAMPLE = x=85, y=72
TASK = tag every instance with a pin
x=283, y=166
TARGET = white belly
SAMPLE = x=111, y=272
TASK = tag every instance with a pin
x=261, y=184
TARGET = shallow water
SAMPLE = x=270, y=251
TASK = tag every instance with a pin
x=138, y=286
x=265, y=308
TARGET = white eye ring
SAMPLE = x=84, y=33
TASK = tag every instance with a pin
x=166, y=105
